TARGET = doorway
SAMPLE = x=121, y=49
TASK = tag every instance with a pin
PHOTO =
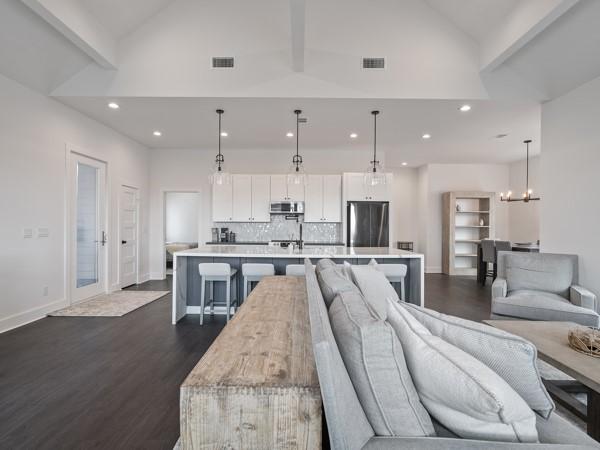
x=87, y=237
x=181, y=224
x=128, y=236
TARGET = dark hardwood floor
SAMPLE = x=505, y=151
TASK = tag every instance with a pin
x=107, y=383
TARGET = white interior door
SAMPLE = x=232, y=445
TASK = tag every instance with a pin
x=87, y=231
x=128, y=229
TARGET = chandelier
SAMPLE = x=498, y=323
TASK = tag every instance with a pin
x=526, y=197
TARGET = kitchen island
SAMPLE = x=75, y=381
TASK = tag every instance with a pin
x=186, y=280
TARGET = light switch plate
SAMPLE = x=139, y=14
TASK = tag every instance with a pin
x=27, y=233
x=43, y=232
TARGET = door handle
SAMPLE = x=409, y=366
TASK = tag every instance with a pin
x=103, y=239
x=123, y=242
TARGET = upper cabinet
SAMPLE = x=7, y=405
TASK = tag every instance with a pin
x=282, y=191
x=222, y=202
x=355, y=189
x=246, y=199
x=323, y=199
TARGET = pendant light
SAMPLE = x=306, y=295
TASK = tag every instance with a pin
x=219, y=175
x=526, y=197
x=374, y=175
x=296, y=174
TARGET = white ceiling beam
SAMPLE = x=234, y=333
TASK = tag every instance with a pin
x=74, y=22
x=297, y=15
x=528, y=20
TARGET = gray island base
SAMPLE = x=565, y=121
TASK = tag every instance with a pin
x=186, y=280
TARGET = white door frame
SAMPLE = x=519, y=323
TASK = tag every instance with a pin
x=137, y=231
x=163, y=223
x=72, y=152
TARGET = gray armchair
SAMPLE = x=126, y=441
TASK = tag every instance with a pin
x=542, y=286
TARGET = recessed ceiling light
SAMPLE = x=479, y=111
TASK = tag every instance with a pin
x=224, y=133
x=113, y=105
x=290, y=134
x=465, y=108
x=157, y=133
x=426, y=136
x=353, y=135
x=405, y=164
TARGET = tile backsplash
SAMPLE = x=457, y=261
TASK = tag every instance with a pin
x=280, y=229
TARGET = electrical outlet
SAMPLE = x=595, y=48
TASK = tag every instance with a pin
x=45, y=291
x=27, y=233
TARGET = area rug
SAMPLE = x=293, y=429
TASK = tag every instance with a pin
x=110, y=305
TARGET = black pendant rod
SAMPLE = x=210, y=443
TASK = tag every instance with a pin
x=375, y=113
x=527, y=142
x=297, y=160
x=220, y=158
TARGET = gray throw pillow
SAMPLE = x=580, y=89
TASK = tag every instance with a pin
x=333, y=281
x=511, y=357
x=459, y=391
x=375, y=287
x=375, y=362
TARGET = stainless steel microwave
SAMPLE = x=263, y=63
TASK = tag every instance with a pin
x=287, y=208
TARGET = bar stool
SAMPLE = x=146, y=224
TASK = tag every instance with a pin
x=395, y=273
x=255, y=272
x=212, y=272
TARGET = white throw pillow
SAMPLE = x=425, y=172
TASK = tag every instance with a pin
x=462, y=393
x=510, y=356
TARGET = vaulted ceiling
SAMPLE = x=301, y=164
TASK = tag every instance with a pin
x=511, y=54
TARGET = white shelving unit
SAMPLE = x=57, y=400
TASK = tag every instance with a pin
x=468, y=217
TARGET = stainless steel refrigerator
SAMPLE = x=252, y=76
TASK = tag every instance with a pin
x=367, y=224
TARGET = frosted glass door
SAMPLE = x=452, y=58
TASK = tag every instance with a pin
x=88, y=237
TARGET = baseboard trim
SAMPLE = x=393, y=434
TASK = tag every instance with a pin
x=433, y=269
x=31, y=315
x=156, y=276
x=114, y=288
x=143, y=278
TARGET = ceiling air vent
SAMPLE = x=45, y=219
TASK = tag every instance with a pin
x=373, y=63
x=222, y=62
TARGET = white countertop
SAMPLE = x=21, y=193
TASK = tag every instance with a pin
x=265, y=251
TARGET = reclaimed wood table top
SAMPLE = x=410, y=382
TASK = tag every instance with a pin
x=552, y=344
x=267, y=344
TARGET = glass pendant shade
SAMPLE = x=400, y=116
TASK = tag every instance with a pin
x=374, y=175
x=219, y=176
x=296, y=175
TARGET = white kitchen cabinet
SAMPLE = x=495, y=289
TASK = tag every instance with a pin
x=332, y=198
x=242, y=198
x=222, y=202
x=282, y=191
x=261, y=198
x=251, y=198
x=355, y=189
x=323, y=201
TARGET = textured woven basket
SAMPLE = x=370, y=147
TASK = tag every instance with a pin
x=585, y=340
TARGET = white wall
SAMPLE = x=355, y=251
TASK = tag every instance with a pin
x=524, y=218
x=570, y=176
x=33, y=132
x=460, y=177
x=189, y=169
x=181, y=217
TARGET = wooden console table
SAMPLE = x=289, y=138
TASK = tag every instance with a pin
x=257, y=385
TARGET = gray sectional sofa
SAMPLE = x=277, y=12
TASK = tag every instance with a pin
x=347, y=422
x=542, y=286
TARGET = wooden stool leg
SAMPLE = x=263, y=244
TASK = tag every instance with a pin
x=202, y=289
